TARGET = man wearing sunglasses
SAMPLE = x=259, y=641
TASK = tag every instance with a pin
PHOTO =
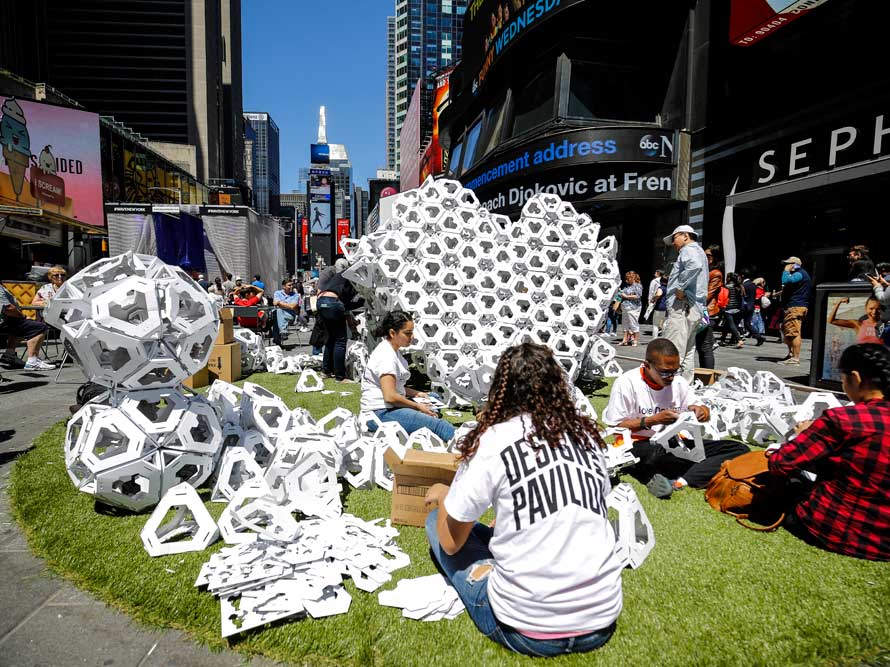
x=654, y=395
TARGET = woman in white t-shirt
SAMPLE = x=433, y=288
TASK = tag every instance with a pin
x=545, y=579
x=383, y=383
x=45, y=294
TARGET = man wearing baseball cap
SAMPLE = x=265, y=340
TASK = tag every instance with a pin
x=687, y=294
x=796, y=285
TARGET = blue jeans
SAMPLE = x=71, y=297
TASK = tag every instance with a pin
x=333, y=315
x=284, y=318
x=473, y=592
x=412, y=420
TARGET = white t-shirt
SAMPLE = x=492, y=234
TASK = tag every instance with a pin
x=632, y=397
x=555, y=568
x=384, y=360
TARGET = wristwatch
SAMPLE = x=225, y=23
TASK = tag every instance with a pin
x=642, y=423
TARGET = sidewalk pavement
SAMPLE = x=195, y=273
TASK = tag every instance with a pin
x=46, y=621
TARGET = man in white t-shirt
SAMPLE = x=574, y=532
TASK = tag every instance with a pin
x=653, y=395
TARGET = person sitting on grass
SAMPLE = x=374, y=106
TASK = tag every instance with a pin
x=383, y=382
x=544, y=579
x=655, y=394
x=847, y=509
x=15, y=326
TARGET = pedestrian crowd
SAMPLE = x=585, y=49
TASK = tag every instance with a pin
x=701, y=307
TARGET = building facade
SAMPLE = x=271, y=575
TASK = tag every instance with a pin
x=427, y=38
x=581, y=99
x=391, y=158
x=267, y=162
x=360, y=211
x=168, y=69
x=341, y=174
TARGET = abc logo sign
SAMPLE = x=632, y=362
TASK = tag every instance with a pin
x=656, y=145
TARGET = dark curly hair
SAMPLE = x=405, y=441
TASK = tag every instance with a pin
x=394, y=320
x=529, y=380
x=871, y=361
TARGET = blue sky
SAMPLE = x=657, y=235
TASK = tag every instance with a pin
x=300, y=54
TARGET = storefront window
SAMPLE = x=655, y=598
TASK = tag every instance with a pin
x=534, y=102
x=471, y=144
x=494, y=122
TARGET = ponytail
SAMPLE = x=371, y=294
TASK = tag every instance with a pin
x=393, y=320
x=872, y=362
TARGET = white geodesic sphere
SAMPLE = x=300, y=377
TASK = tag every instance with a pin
x=134, y=322
x=478, y=283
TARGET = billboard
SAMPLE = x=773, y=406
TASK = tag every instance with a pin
x=752, y=20
x=433, y=161
x=320, y=217
x=491, y=27
x=50, y=160
x=378, y=188
x=320, y=185
x=320, y=153
x=342, y=232
x=304, y=235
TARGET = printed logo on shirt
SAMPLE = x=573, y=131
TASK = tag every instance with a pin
x=544, y=481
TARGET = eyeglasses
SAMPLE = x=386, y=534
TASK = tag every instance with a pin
x=665, y=374
x=57, y=275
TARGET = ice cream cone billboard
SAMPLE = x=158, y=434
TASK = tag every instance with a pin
x=49, y=159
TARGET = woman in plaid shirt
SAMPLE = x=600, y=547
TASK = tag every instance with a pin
x=847, y=509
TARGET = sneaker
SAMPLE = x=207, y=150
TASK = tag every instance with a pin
x=790, y=361
x=660, y=486
x=11, y=360
x=38, y=365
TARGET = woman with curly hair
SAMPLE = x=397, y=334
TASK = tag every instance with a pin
x=847, y=508
x=544, y=580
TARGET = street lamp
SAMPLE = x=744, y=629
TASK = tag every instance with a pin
x=176, y=190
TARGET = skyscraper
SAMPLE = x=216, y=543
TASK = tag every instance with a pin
x=391, y=155
x=266, y=165
x=428, y=38
x=341, y=174
x=168, y=69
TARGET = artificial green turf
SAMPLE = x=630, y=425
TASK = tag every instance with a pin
x=710, y=593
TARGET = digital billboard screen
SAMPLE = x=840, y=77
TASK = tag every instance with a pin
x=433, y=160
x=379, y=188
x=320, y=187
x=752, y=20
x=493, y=26
x=50, y=160
x=320, y=217
x=320, y=153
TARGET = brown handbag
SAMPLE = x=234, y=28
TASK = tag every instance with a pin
x=745, y=489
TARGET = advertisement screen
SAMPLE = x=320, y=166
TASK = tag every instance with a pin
x=50, y=160
x=304, y=235
x=319, y=187
x=342, y=231
x=320, y=153
x=752, y=20
x=320, y=217
x=378, y=188
x=493, y=26
x=432, y=163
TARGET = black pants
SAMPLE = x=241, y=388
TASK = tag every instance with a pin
x=704, y=343
x=655, y=459
x=333, y=315
x=731, y=322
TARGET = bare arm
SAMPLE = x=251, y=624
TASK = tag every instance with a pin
x=844, y=324
x=452, y=534
x=392, y=395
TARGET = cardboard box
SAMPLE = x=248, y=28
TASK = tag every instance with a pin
x=226, y=327
x=225, y=362
x=199, y=379
x=414, y=475
x=707, y=376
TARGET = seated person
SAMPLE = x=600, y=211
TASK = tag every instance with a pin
x=288, y=303
x=847, y=508
x=15, y=326
x=655, y=394
x=383, y=383
x=45, y=294
x=544, y=579
x=250, y=296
